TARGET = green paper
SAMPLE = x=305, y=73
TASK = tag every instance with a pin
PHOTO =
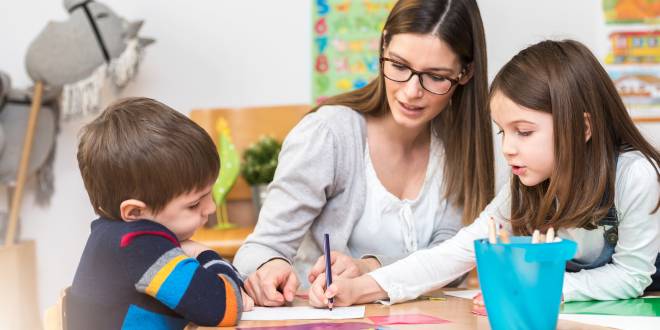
x=628, y=307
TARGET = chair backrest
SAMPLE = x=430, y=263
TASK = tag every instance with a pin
x=55, y=316
x=247, y=125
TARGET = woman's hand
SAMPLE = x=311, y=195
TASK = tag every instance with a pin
x=273, y=284
x=343, y=266
x=345, y=291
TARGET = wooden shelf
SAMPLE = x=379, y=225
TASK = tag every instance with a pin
x=223, y=241
x=646, y=120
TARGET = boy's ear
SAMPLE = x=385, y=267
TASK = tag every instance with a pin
x=132, y=210
x=587, y=126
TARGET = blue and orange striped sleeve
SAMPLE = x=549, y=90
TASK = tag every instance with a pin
x=159, y=268
x=214, y=262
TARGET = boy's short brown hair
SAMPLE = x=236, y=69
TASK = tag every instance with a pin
x=139, y=148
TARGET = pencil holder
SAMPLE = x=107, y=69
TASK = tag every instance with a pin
x=522, y=282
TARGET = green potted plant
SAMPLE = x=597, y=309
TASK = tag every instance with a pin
x=258, y=168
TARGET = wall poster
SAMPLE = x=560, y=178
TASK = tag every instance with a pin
x=345, y=41
x=633, y=60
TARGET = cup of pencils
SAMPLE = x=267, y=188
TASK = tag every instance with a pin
x=521, y=281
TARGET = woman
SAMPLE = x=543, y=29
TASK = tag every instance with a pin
x=399, y=165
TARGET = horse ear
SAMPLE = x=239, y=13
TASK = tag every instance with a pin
x=69, y=4
x=133, y=29
x=144, y=42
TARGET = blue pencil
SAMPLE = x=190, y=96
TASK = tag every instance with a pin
x=328, y=269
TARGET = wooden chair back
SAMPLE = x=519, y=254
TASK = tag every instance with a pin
x=55, y=316
x=247, y=125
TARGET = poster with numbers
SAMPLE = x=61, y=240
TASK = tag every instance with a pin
x=345, y=41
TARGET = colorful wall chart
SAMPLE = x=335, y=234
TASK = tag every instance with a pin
x=631, y=11
x=633, y=60
x=345, y=41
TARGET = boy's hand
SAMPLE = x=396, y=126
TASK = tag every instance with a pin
x=345, y=291
x=192, y=248
x=248, y=303
x=273, y=284
x=343, y=266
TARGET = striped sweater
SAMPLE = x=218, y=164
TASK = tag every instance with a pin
x=134, y=275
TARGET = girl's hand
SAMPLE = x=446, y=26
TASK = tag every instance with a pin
x=343, y=266
x=345, y=291
x=478, y=305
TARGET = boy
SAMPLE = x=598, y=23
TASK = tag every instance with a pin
x=148, y=171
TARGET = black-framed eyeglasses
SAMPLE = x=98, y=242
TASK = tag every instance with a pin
x=434, y=83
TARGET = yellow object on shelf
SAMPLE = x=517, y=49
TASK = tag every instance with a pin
x=229, y=172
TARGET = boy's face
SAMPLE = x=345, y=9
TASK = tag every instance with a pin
x=186, y=213
x=527, y=139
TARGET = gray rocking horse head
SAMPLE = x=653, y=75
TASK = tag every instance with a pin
x=73, y=59
x=78, y=54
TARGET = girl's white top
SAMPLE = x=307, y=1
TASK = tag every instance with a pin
x=636, y=195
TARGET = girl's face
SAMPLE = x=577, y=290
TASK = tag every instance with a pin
x=527, y=139
x=411, y=105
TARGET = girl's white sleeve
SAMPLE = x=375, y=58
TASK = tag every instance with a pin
x=431, y=269
x=636, y=196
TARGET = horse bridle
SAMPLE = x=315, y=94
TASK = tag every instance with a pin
x=95, y=28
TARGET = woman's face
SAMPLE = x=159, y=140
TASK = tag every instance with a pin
x=411, y=105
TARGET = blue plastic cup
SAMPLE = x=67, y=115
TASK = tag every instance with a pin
x=522, y=282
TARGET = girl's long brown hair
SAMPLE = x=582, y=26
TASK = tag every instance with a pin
x=464, y=127
x=564, y=78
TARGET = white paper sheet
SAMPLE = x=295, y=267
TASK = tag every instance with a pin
x=466, y=294
x=616, y=321
x=302, y=313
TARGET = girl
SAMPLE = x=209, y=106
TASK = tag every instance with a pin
x=408, y=159
x=579, y=165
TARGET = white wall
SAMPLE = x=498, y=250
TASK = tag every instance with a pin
x=213, y=53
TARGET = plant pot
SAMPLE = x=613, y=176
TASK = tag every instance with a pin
x=259, y=192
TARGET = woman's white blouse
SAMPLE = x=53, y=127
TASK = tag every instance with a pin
x=636, y=195
x=398, y=227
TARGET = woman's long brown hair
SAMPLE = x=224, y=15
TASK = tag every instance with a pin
x=464, y=127
x=564, y=78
